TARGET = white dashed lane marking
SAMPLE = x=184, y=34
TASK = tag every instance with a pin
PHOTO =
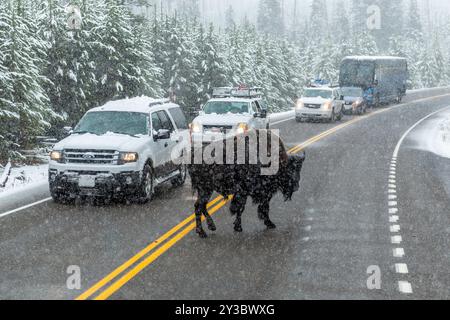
x=394, y=217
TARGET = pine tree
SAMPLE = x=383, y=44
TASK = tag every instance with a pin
x=270, y=18
x=71, y=57
x=212, y=67
x=24, y=107
x=319, y=18
x=183, y=76
x=340, y=24
x=230, y=23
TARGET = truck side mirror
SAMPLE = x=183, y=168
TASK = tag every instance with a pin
x=68, y=130
x=262, y=114
x=162, y=134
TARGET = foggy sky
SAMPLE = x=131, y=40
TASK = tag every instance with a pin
x=214, y=9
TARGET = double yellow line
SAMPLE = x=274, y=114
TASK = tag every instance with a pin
x=153, y=251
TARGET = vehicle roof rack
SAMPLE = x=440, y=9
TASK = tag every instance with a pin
x=222, y=92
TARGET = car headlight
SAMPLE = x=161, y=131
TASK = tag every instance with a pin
x=195, y=127
x=299, y=104
x=128, y=157
x=242, y=128
x=327, y=105
x=357, y=103
x=56, y=156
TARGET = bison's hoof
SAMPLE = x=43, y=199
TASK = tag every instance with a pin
x=270, y=225
x=238, y=228
x=202, y=234
x=212, y=226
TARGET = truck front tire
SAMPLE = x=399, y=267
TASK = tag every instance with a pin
x=146, y=189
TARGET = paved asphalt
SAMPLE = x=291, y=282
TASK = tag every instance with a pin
x=336, y=227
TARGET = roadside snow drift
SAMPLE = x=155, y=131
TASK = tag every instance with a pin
x=434, y=136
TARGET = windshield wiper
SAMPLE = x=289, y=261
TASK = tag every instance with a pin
x=83, y=132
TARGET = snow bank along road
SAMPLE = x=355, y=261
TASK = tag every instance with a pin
x=359, y=208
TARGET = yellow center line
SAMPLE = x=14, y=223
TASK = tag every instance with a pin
x=139, y=255
x=155, y=255
x=163, y=247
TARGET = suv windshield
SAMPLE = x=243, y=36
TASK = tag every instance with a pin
x=352, y=92
x=224, y=107
x=130, y=123
x=313, y=93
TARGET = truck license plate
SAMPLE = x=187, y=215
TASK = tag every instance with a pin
x=86, y=182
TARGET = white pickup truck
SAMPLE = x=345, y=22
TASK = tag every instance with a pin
x=232, y=111
x=122, y=149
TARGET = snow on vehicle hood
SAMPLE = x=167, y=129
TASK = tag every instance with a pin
x=351, y=99
x=317, y=100
x=222, y=119
x=108, y=141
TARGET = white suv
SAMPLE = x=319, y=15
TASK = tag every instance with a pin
x=232, y=111
x=319, y=103
x=119, y=150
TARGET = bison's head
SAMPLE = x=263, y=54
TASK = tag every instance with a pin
x=290, y=180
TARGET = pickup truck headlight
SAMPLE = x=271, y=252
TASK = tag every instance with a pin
x=195, y=127
x=128, y=157
x=299, y=105
x=56, y=156
x=327, y=105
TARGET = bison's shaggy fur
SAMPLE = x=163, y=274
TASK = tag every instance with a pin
x=241, y=182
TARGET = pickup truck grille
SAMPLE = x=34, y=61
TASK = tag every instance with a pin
x=313, y=106
x=81, y=156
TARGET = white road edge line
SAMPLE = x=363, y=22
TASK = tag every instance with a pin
x=25, y=207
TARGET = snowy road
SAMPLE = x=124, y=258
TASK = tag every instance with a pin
x=341, y=222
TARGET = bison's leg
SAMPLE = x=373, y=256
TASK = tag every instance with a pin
x=200, y=208
x=209, y=220
x=237, y=208
x=263, y=214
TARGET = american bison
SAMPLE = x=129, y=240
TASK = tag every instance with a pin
x=243, y=180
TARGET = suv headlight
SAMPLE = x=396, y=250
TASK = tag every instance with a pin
x=56, y=156
x=357, y=102
x=242, y=128
x=128, y=157
x=299, y=104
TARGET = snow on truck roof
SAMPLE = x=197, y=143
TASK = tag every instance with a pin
x=138, y=104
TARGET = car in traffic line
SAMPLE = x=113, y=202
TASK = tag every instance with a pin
x=231, y=111
x=354, y=102
x=320, y=103
x=122, y=150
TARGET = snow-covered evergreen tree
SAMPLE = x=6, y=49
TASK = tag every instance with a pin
x=212, y=66
x=25, y=109
x=270, y=17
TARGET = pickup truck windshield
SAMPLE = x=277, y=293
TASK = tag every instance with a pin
x=224, y=107
x=129, y=123
x=314, y=93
